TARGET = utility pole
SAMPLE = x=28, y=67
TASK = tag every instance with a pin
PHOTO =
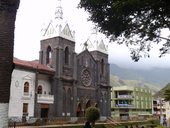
x=161, y=114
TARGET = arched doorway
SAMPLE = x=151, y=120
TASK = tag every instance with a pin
x=96, y=105
x=79, y=112
x=88, y=104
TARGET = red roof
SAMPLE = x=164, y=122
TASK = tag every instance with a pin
x=32, y=64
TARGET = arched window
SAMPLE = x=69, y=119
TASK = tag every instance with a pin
x=26, y=87
x=66, y=57
x=102, y=66
x=39, y=90
x=48, y=59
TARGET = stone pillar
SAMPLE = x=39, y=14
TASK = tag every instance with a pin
x=59, y=83
x=41, y=57
x=74, y=107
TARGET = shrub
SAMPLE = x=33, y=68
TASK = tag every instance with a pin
x=92, y=114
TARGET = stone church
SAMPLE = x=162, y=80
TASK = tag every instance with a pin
x=62, y=83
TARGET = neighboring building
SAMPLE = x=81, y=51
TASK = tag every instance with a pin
x=131, y=102
x=162, y=110
x=63, y=83
x=25, y=94
x=159, y=107
x=167, y=115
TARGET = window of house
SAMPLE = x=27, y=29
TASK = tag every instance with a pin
x=39, y=90
x=26, y=87
x=25, y=108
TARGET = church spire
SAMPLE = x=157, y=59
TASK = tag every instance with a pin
x=59, y=11
x=56, y=27
x=95, y=42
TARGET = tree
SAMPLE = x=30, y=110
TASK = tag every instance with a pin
x=137, y=23
x=92, y=114
x=8, y=9
x=166, y=93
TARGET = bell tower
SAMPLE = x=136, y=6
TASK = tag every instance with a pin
x=58, y=52
x=56, y=35
x=98, y=49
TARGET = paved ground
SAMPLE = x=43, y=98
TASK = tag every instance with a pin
x=47, y=126
x=51, y=126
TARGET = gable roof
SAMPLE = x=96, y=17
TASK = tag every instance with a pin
x=66, y=33
x=34, y=65
x=93, y=43
x=102, y=47
x=86, y=51
x=50, y=30
x=55, y=29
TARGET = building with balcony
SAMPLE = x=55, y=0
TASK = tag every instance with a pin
x=30, y=89
x=159, y=106
x=161, y=109
x=129, y=102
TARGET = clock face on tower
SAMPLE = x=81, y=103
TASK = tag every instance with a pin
x=86, y=77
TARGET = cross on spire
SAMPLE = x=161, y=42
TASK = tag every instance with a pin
x=85, y=45
x=59, y=11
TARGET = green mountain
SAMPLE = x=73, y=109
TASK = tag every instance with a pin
x=157, y=77
x=116, y=81
x=162, y=91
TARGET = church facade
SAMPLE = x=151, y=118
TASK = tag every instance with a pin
x=62, y=83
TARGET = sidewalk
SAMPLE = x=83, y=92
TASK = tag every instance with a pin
x=48, y=126
x=54, y=126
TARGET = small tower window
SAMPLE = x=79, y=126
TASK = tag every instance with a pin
x=39, y=90
x=48, y=59
x=102, y=66
x=26, y=87
x=66, y=55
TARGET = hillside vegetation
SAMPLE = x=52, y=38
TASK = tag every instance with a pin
x=116, y=81
x=155, y=78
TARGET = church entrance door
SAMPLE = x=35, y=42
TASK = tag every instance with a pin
x=79, y=110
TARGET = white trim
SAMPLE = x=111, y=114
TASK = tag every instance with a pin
x=4, y=115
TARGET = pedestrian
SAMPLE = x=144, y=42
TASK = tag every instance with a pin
x=87, y=125
x=164, y=121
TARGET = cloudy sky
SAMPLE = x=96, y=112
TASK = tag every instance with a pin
x=33, y=14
